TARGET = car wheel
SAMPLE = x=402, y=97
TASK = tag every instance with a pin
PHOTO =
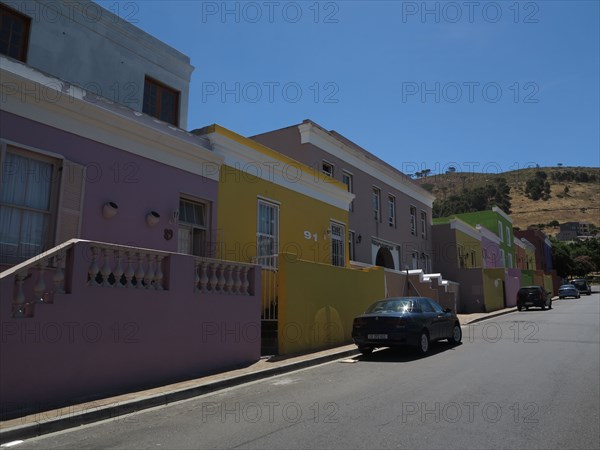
x=456, y=335
x=519, y=308
x=550, y=305
x=423, y=345
x=544, y=307
x=365, y=350
x=560, y=298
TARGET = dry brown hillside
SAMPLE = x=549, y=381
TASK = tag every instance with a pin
x=568, y=201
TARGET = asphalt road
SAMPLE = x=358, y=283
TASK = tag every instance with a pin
x=522, y=380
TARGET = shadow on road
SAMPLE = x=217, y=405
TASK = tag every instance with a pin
x=406, y=354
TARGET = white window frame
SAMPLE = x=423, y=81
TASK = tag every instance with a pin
x=391, y=210
x=376, y=203
x=270, y=261
x=47, y=238
x=500, y=233
x=502, y=257
x=423, y=224
x=337, y=235
x=326, y=164
x=413, y=220
x=348, y=180
x=193, y=247
x=352, y=245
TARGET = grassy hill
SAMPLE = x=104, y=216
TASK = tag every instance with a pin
x=569, y=200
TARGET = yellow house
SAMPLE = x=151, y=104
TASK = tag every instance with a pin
x=269, y=204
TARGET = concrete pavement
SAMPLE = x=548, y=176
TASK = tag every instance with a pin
x=119, y=407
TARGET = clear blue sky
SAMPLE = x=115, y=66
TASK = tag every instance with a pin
x=483, y=86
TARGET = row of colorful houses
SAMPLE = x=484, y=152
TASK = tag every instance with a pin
x=198, y=248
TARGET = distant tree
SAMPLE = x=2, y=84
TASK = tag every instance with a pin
x=583, y=265
x=559, y=164
x=562, y=261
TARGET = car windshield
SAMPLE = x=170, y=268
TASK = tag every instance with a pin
x=579, y=283
x=567, y=286
x=391, y=306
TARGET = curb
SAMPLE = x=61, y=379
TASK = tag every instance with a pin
x=492, y=315
x=116, y=410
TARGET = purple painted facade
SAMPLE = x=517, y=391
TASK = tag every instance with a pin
x=491, y=254
x=95, y=341
x=136, y=184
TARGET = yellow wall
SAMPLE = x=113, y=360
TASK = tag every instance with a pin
x=469, y=245
x=238, y=214
x=548, y=284
x=318, y=302
x=493, y=289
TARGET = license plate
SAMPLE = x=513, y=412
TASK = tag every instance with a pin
x=377, y=336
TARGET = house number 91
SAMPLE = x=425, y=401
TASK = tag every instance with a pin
x=309, y=236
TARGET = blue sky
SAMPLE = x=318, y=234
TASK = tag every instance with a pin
x=484, y=86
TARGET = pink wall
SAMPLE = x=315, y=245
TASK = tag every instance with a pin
x=138, y=185
x=512, y=283
x=97, y=341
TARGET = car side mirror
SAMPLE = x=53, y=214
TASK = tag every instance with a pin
x=448, y=310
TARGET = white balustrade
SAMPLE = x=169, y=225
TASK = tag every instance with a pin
x=221, y=277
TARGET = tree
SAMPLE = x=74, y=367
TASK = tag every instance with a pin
x=583, y=265
x=561, y=258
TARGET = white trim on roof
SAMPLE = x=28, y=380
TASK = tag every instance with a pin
x=34, y=95
x=309, y=133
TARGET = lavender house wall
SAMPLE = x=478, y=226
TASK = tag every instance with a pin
x=95, y=341
x=491, y=257
x=138, y=185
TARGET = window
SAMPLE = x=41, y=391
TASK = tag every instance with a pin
x=327, y=168
x=192, y=227
x=338, y=255
x=349, y=182
x=413, y=220
x=14, y=33
x=461, y=256
x=351, y=245
x=267, y=246
x=500, y=231
x=423, y=224
x=502, y=258
x=415, y=260
x=391, y=210
x=508, y=235
x=425, y=263
x=510, y=260
x=376, y=203
x=161, y=101
x=27, y=204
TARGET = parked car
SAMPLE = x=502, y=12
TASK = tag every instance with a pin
x=582, y=286
x=568, y=290
x=529, y=296
x=405, y=321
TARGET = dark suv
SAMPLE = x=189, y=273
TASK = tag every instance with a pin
x=582, y=286
x=533, y=296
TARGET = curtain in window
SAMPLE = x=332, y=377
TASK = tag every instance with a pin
x=25, y=204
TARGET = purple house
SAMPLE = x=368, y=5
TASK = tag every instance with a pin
x=107, y=214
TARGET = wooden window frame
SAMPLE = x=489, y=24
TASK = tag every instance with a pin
x=158, y=106
x=26, y=22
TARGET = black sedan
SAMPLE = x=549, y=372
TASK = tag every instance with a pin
x=400, y=321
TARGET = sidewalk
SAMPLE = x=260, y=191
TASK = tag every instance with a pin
x=117, y=407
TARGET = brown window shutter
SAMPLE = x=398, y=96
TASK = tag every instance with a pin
x=70, y=203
